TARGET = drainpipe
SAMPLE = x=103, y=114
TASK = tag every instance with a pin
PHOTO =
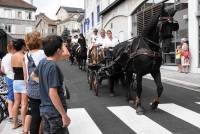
x=193, y=32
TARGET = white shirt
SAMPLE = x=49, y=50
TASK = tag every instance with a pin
x=6, y=65
x=101, y=41
x=111, y=43
x=75, y=40
x=37, y=57
x=94, y=38
x=93, y=41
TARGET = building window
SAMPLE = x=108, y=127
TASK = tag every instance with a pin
x=8, y=13
x=19, y=15
x=8, y=28
x=28, y=15
x=92, y=19
x=84, y=27
x=98, y=16
x=87, y=23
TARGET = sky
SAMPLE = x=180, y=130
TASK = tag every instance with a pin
x=50, y=7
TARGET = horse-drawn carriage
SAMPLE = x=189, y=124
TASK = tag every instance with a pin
x=140, y=55
x=99, y=62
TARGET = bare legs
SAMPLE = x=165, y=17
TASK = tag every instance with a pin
x=19, y=98
x=27, y=124
x=185, y=69
x=179, y=68
x=10, y=106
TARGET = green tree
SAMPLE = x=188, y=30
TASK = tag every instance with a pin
x=65, y=34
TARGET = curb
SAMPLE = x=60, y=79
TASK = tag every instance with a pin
x=179, y=83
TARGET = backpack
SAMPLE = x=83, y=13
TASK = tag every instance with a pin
x=31, y=67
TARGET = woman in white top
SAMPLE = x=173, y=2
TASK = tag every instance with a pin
x=31, y=60
x=6, y=68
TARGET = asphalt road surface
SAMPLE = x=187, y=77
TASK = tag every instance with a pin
x=178, y=113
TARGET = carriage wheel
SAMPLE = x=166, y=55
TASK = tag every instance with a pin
x=96, y=84
x=89, y=78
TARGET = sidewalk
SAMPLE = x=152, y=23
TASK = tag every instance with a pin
x=189, y=81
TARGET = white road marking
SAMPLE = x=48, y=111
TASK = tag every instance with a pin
x=138, y=123
x=197, y=103
x=182, y=113
x=81, y=122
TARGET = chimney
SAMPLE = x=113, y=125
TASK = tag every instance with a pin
x=31, y=1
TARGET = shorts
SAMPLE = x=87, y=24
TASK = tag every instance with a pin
x=52, y=124
x=33, y=106
x=9, y=83
x=19, y=86
x=34, y=111
x=178, y=61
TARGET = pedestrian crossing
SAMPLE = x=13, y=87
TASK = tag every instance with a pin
x=82, y=122
x=182, y=113
x=197, y=103
x=139, y=124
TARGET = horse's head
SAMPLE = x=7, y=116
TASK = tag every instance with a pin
x=166, y=24
x=161, y=26
x=165, y=27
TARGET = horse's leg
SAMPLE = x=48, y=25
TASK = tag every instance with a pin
x=131, y=82
x=111, y=86
x=72, y=59
x=81, y=63
x=139, y=108
x=84, y=64
x=157, y=78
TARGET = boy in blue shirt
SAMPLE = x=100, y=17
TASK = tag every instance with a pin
x=53, y=106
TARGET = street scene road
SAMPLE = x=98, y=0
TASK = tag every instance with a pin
x=178, y=113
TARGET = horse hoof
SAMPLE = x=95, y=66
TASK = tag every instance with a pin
x=140, y=110
x=154, y=105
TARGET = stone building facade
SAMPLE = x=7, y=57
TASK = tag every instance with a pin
x=17, y=17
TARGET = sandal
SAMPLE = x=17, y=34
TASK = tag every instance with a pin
x=19, y=124
x=10, y=119
x=24, y=132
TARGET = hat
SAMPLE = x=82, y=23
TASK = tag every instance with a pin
x=95, y=30
x=183, y=40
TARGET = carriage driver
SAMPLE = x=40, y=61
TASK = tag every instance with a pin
x=110, y=43
x=101, y=42
x=97, y=42
x=92, y=43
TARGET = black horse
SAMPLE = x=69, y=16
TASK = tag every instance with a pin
x=143, y=55
x=79, y=53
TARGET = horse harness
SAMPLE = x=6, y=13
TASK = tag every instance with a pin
x=144, y=51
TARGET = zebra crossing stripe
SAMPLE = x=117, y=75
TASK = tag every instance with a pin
x=81, y=122
x=197, y=103
x=182, y=113
x=138, y=123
